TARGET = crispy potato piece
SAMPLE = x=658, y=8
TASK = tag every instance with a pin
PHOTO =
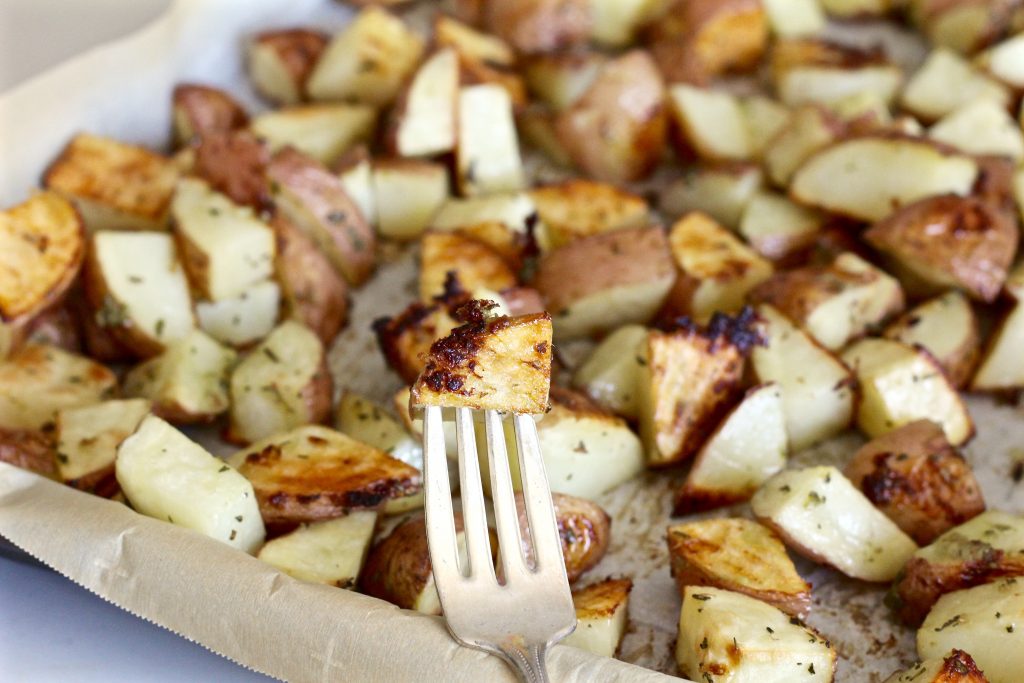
x=199, y=110
x=186, y=383
x=30, y=450
x=487, y=155
x=825, y=518
x=956, y=667
x=314, y=200
x=282, y=384
x=749, y=446
x=918, y=480
x=475, y=264
x=538, y=25
x=87, y=440
x=610, y=373
x=560, y=79
x=424, y=118
x=405, y=339
x=735, y=635
x=944, y=83
x=738, y=555
x=613, y=136
x=114, y=185
x=981, y=127
x=900, y=384
x=691, y=378
x=778, y=228
x=330, y=552
x=948, y=329
x=578, y=208
x=607, y=280
x=716, y=269
x=817, y=71
x=722, y=192
x=42, y=245
x=584, y=529
x=695, y=40
x=504, y=222
x=281, y=62
x=950, y=241
x=987, y=547
x=497, y=364
x=322, y=131
x=234, y=163
x=867, y=178
x=312, y=292
x=601, y=616
x=709, y=123
x=368, y=61
x=242, y=319
x=165, y=475
x=225, y=248
x=313, y=473
x=408, y=194
x=835, y=302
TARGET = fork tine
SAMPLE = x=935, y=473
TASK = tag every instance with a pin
x=547, y=546
x=506, y=517
x=474, y=514
x=440, y=521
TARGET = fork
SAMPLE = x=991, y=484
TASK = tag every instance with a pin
x=518, y=619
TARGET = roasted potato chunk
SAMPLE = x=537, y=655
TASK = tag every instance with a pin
x=584, y=529
x=244, y=318
x=1001, y=369
x=487, y=155
x=945, y=82
x=710, y=124
x=281, y=62
x=29, y=450
x=234, y=163
x=283, y=383
x=558, y=80
x=497, y=364
x=957, y=667
x=482, y=57
x=314, y=473
x=604, y=281
x=538, y=25
x=601, y=616
x=114, y=185
x=691, y=378
x=948, y=329
x=504, y=222
x=424, y=118
x=610, y=374
x=981, y=127
x=778, y=228
x=987, y=547
x=918, y=480
x=808, y=129
x=405, y=339
x=408, y=194
x=322, y=131
x=475, y=264
x=722, y=192
x=88, y=438
x=199, y=110
x=965, y=26
x=330, y=552
x=794, y=18
x=816, y=71
x=738, y=555
x=950, y=241
x=579, y=208
x=42, y=245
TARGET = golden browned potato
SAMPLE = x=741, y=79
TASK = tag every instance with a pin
x=233, y=163
x=499, y=363
x=314, y=473
x=42, y=243
x=583, y=527
x=315, y=200
x=817, y=71
x=947, y=327
x=616, y=130
x=475, y=264
x=696, y=40
x=957, y=667
x=329, y=552
x=988, y=547
x=280, y=62
x=601, y=616
x=87, y=441
x=738, y=555
x=950, y=241
x=918, y=480
x=690, y=379
x=505, y=222
x=538, y=25
x=30, y=450
x=604, y=281
x=114, y=185
x=200, y=110
x=312, y=291
x=406, y=338
x=577, y=208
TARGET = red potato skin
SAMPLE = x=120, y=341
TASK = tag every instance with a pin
x=537, y=25
x=32, y=451
x=206, y=110
x=234, y=163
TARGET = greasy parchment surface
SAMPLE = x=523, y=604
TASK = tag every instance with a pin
x=241, y=608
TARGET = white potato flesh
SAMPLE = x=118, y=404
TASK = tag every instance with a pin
x=722, y=194
x=165, y=475
x=237, y=246
x=407, y=198
x=365, y=421
x=610, y=308
x=945, y=82
x=775, y=226
x=764, y=119
x=1005, y=61
x=816, y=393
x=615, y=22
x=743, y=640
x=601, y=616
x=143, y=275
x=794, y=18
x=900, y=384
x=487, y=154
x=711, y=122
x=987, y=621
x=981, y=127
x=88, y=436
x=609, y=374
x=330, y=552
x=322, y=131
x=823, y=516
x=867, y=178
x=358, y=183
x=515, y=211
x=943, y=326
x=813, y=84
x=808, y=130
x=244, y=318
x=1003, y=365
x=427, y=124
x=748, y=448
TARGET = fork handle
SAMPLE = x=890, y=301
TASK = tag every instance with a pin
x=528, y=661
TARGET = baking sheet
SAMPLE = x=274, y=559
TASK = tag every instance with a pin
x=248, y=611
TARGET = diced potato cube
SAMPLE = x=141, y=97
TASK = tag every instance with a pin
x=330, y=552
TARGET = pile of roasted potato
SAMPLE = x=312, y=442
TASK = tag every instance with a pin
x=829, y=244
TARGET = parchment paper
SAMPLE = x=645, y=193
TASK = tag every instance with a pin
x=246, y=610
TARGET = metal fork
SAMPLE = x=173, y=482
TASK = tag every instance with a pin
x=518, y=619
